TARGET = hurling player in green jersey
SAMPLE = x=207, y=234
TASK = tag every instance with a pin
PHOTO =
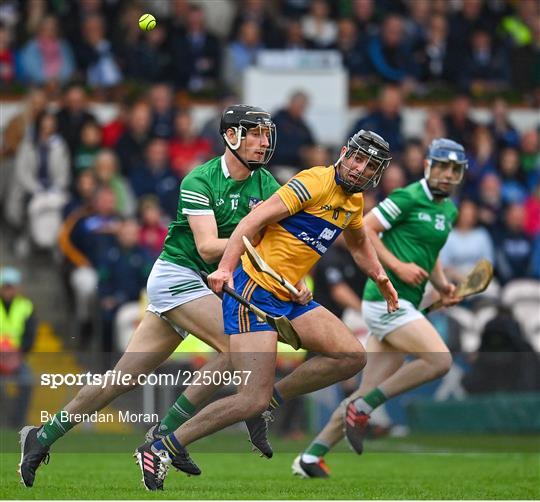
x=214, y=197
x=414, y=223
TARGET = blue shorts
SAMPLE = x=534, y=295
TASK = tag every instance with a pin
x=238, y=319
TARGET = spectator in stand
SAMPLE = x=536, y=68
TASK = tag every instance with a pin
x=256, y=11
x=42, y=177
x=467, y=243
x=155, y=177
x=518, y=26
x=73, y=115
x=535, y=260
x=524, y=63
x=123, y=271
x=17, y=334
x=187, y=148
x=464, y=22
x=95, y=55
x=106, y=169
x=513, y=245
x=318, y=27
x=482, y=160
x=18, y=127
x=513, y=187
x=7, y=58
x=84, y=239
x=391, y=56
x=439, y=59
x=434, y=127
x=153, y=229
x=393, y=177
x=459, y=126
x=530, y=156
x=296, y=138
x=413, y=160
x=47, y=58
x=532, y=212
x=489, y=200
x=210, y=129
x=501, y=128
x=242, y=53
x=163, y=110
x=348, y=43
x=148, y=58
x=486, y=65
x=364, y=16
x=89, y=147
x=82, y=196
x=113, y=130
x=293, y=38
x=196, y=55
x=132, y=143
x=386, y=119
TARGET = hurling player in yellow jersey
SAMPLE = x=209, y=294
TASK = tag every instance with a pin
x=302, y=219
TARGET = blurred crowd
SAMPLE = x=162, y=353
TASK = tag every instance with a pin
x=98, y=192
x=478, y=46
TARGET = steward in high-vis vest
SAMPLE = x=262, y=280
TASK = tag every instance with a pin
x=17, y=321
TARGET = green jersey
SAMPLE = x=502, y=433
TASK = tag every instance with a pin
x=209, y=189
x=416, y=228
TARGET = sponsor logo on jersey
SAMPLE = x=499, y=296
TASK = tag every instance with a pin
x=327, y=234
x=327, y=207
x=253, y=201
x=313, y=242
x=424, y=217
x=220, y=202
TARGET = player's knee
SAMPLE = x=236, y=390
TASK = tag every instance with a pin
x=354, y=362
x=253, y=405
x=442, y=363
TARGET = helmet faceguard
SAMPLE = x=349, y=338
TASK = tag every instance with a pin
x=241, y=118
x=445, y=153
x=364, y=148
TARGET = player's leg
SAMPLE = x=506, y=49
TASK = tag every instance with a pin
x=158, y=339
x=253, y=357
x=382, y=361
x=340, y=357
x=433, y=359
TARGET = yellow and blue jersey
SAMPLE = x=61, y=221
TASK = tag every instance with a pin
x=319, y=211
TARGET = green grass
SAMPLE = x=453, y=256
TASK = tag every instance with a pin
x=418, y=467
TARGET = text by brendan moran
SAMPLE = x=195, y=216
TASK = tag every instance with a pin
x=98, y=417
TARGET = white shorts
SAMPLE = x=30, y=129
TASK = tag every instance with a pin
x=380, y=322
x=170, y=286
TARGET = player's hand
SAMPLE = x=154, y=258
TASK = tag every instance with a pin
x=448, y=295
x=387, y=290
x=217, y=279
x=304, y=295
x=411, y=273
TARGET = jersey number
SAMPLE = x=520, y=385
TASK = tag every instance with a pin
x=234, y=204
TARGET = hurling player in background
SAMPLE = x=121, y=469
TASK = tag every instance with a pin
x=414, y=223
x=214, y=197
x=301, y=220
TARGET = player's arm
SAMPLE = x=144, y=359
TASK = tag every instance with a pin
x=440, y=282
x=410, y=273
x=365, y=257
x=270, y=211
x=205, y=233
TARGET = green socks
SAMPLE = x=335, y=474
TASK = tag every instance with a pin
x=317, y=449
x=370, y=401
x=181, y=411
x=54, y=429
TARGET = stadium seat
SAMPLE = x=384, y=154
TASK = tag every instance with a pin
x=469, y=336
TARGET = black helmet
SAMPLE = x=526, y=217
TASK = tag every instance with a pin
x=376, y=149
x=244, y=117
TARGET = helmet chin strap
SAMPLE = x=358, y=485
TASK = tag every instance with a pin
x=252, y=166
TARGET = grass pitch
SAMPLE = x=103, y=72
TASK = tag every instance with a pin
x=425, y=467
